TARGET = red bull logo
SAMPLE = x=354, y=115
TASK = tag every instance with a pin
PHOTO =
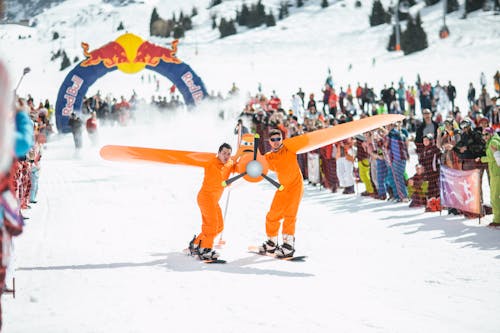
x=110, y=55
x=151, y=54
x=70, y=95
x=130, y=54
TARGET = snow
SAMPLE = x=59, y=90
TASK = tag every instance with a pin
x=102, y=248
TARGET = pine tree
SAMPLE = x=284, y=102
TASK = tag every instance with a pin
x=154, y=17
x=451, y=6
x=65, y=61
x=55, y=35
x=473, y=5
x=300, y=3
x=379, y=15
x=414, y=37
x=186, y=23
x=243, y=19
x=226, y=28
x=178, y=31
x=261, y=11
x=270, y=20
x=283, y=11
x=431, y=2
x=120, y=26
x=253, y=19
x=358, y=4
x=194, y=12
x=324, y=3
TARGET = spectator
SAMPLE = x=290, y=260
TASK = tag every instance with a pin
x=417, y=187
x=428, y=126
x=91, y=126
x=76, y=128
x=493, y=146
x=429, y=159
x=471, y=94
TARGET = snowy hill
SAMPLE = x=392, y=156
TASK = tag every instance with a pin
x=295, y=53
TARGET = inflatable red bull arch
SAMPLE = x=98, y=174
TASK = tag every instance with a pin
x=130, y=54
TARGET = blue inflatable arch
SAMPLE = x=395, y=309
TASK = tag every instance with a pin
x=80, y=78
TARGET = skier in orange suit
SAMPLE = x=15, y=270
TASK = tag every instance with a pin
x=217, y=170
x=286, y=201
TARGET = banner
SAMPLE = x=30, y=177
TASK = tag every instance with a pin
x=460, y=189
x=313, y=168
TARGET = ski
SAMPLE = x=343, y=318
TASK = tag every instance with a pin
x=255, y=250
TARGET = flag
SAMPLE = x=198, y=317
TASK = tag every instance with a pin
x=461, y=189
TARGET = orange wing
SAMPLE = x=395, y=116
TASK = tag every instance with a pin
x=127, y=153
x=320, y=138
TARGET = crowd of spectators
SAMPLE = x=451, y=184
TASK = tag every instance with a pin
x=442, y=136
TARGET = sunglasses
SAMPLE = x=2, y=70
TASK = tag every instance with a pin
x=275, y=139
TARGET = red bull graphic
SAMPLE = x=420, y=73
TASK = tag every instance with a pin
x=151, y=54
x=71, y=94
x=130, y=54
x=194, y=89
x=110, y=55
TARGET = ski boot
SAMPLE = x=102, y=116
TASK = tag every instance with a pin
x=269, y=246
x=287, y=249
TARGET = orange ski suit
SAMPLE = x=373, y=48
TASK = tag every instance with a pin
x=208, y=201
x=285, y=203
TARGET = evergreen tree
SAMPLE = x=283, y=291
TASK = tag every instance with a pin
x=414, y=37
x=261, y=11
x=55, y=35
x=120, y=26
x=357, y=4
x=226, y=28
x=245, y=12
x=473, y=5
x=324, y=3
x=300, y=3
x=253, y=20
x=186, y=23
x=65, y=61
x=194, y=12
x=154, y=17
x=451, y=6
x=283, y=11
x=178, y=31
x=76, y=59
x=379, y=15
x=270, y=20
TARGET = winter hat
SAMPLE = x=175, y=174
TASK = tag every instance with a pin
x=489, y=130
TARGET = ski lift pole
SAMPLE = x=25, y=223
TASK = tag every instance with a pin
x=26, y=70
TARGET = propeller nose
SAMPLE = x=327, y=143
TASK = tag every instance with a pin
x=254, y=169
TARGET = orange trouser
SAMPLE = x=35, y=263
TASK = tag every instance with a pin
x=285, y=206
x=211, y=216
